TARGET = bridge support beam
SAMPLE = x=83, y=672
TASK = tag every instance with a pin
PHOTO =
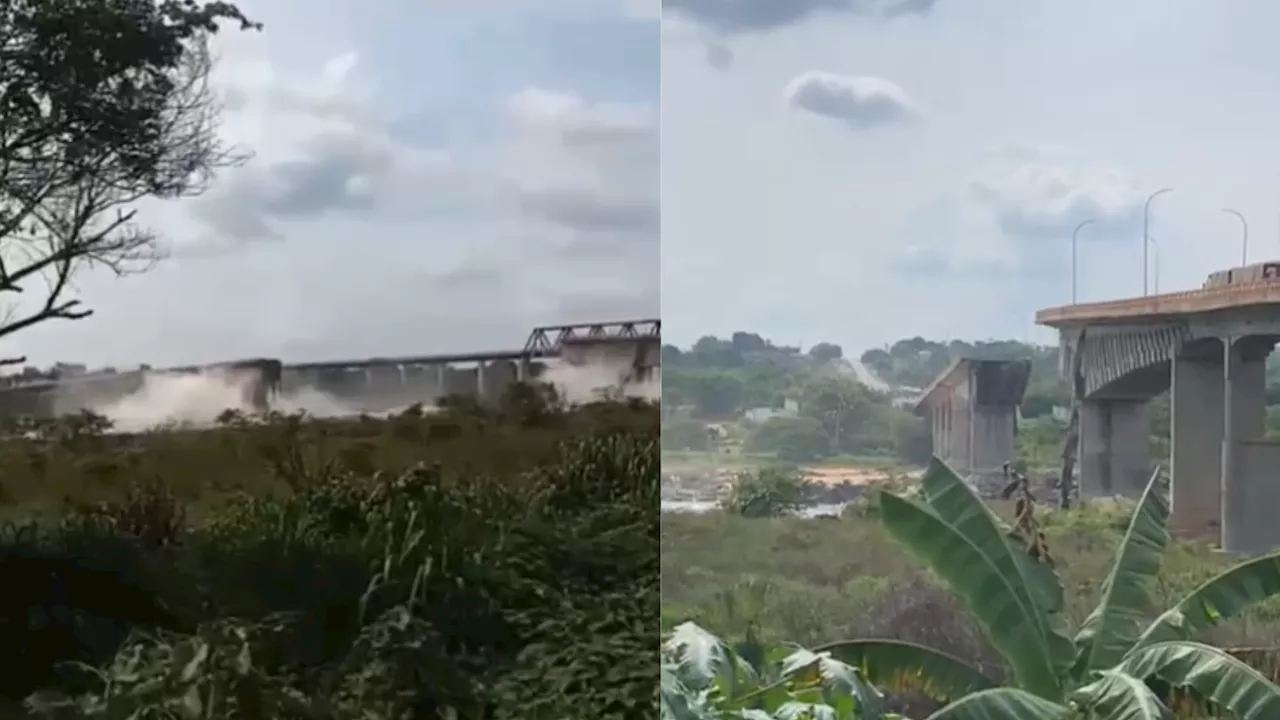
x=1196, y=410
x=1214, y=407
x=1113, y=447
x=1245, y=418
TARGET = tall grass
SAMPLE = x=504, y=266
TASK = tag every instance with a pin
x=469, y=564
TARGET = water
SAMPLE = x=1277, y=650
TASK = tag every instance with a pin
x=702, y=506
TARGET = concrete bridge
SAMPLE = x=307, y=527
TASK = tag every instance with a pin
x=629, y=350
x=1208, y=347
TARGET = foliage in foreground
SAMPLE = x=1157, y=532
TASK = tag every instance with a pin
x=427, y=591
x=703, y=678
x=1119, y=663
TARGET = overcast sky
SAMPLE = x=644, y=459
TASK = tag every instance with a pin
x=859, y=171
x=428, y=177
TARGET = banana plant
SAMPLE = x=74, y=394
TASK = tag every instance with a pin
x=704, y=678
x=1004, y=574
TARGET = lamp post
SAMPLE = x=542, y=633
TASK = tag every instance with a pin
x=1075, y=257
x=1155, y=262
x=1146, y=234
x=1244, y=234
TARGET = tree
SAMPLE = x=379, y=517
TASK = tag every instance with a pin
x=793, y=439
x=911, y=440
x=102, y=103
x=845, y=407
x=1005, y=576
x=684, y=433
x=826, y=352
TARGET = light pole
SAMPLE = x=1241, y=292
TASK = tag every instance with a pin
x=1075, y=257
x=1244, y=234
x=1155, y=262
x=1146, y=234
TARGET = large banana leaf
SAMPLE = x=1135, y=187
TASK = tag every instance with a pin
x=1220, y=598
x=842, y=685
x=676, y=700
x=703, y=660
x=1010, y=622
x=1117, y=622
x=1002, y=704
x=1037, y=585
x=1119, y=696
x=1211, y=674
x=895, y=666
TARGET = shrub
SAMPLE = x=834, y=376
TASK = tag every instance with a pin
x=486, y=563
x=765, y=492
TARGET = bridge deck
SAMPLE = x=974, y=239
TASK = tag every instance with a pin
x=1175, y=304
x=362, y=363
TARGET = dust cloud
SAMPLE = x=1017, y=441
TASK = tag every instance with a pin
x=598, y=380
x=196, y=400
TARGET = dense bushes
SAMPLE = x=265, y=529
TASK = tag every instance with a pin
x=486, y=564
x=812, y=581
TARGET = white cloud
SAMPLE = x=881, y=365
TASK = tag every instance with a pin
x=859, y=102
x=1046, y=191
x=747, y=16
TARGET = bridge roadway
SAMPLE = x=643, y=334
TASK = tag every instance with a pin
x=1208, y=347
x=630, y=344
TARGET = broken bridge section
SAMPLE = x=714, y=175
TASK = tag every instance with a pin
x=971, y=410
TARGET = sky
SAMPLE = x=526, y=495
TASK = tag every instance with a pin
x=859, y=171
x=426, y=177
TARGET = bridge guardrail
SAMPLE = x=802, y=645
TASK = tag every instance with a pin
x=1184, y=302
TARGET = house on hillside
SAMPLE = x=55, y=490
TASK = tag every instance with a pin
x=790, y=408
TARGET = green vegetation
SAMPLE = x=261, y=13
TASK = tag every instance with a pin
x=748, y=395
x=921, y=599
x=950, y=609
x=358, y=568
x=723, y=384
x=494, y=563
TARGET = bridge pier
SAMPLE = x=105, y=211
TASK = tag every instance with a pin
x=1217, y=402
x=1196, y=411
x=1244, y=421
x=1216, y=340
x=1113, y=447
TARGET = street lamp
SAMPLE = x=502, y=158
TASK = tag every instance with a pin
x=1244, y=235
x=1146, y=234
x=1155, y=261
x=1075, y=257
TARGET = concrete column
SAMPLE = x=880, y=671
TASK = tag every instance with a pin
x=993, y=436
x=481, y=390
x=1205, y=392
x=1195, y=447
x=1113, y=447
x=1257, y=464
x=522, y=370
x=441, y=390
x=1244, y=416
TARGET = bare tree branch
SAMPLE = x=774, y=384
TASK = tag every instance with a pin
x=102, y=103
